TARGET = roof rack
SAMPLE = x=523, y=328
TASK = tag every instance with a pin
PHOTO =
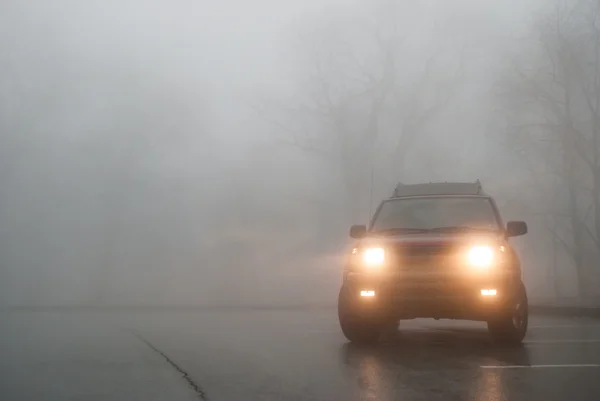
x=438, y=188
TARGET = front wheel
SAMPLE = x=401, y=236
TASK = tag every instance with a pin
x=511, y=326
x=359, y=324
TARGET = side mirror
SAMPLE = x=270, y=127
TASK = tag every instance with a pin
x=516, y=228
x=358, y=231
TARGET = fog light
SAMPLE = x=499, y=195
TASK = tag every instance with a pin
x=488, y=293
x=367, y=293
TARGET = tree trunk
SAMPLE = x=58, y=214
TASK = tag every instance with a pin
x=554, y=270
x=578, y=240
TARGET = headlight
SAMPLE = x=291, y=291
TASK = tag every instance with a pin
x=373, y=257
x=481, y=256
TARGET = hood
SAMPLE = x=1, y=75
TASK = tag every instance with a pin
x=431, y=239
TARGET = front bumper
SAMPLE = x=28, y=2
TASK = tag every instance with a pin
x=432, y=296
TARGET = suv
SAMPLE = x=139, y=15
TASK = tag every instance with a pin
x=437, y=250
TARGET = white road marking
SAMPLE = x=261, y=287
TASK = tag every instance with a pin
x=588, y=365
x=573, y=341
x=566, y=326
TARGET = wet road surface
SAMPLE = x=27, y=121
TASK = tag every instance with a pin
x=286, y=355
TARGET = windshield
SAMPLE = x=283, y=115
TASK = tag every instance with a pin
x=436, y=213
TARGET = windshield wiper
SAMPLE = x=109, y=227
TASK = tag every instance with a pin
x=460, y=229
x=392, y=231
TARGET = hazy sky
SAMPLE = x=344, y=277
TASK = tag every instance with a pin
x=229, y=47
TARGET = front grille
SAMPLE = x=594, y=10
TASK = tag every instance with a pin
x=424, y=250
x=424, y=257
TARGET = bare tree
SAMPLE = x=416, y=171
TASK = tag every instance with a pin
x=552, y=99
x=362, y=97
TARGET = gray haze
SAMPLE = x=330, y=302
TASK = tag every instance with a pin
x=197, y=152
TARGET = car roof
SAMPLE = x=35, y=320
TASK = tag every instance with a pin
x=438, y=188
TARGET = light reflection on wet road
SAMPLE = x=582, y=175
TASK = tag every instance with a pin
x=286, y=355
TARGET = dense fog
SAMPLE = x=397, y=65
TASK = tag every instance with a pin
x=183, y=152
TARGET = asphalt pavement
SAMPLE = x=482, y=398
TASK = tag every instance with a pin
x=297, y=355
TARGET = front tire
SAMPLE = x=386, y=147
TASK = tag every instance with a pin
x=358, y=324
x=510, y=327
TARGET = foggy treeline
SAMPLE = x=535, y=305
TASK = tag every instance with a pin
x=156, y=153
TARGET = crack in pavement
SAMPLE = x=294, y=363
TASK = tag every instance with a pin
x=186, y=376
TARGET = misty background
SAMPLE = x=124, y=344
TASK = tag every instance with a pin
x=202, y=152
